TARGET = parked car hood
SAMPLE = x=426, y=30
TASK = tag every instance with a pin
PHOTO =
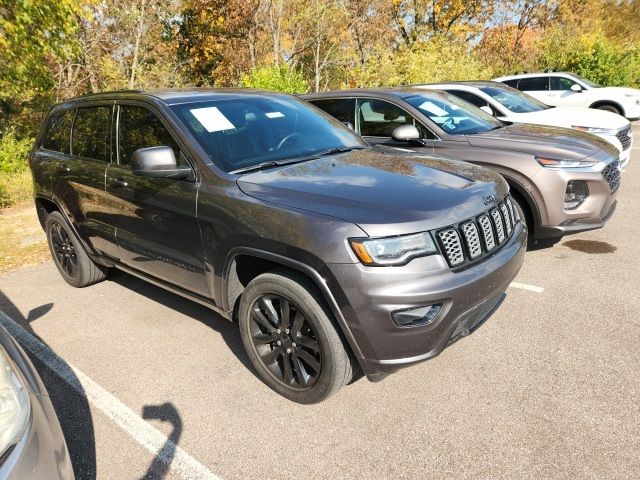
x=563, y=143
x=572, y=116
x=382, y=193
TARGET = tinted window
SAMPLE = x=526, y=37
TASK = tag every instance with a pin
x=451, y=114
x=561, y=83
x=91, y=133
x=243, y=131
x=512, y=83
x=536, y=83
x=58, y=133
x=141, y=128
x=339, y=108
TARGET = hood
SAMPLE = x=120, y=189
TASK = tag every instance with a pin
x=573, y=116
x=619, y=91
x=556, y=142
x=382, y=193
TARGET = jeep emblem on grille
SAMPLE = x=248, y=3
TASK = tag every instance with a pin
x=489, y=199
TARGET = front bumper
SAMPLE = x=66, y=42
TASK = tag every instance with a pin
x=42, y=452
x=593, y=213
x=369, y=295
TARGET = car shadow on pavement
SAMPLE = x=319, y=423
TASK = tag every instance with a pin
x=71, y=407
x=227, y=330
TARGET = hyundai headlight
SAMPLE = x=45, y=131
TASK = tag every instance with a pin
x=393, y=250
x=597, y=130
x=15, y=406
x=558, y=163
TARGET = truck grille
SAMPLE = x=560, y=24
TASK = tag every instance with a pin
x=624, y=136
x=612, y=175
x=474, y=238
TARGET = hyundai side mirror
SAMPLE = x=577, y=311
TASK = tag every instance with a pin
x=407, y=134
x=576, y=88
x=158, y=162
x=487, y=109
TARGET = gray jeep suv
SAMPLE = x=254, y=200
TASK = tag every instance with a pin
x=331, y=255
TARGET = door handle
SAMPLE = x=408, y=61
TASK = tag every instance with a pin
x=64, y=168
x=117, y=182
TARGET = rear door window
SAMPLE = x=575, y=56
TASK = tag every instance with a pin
x=139, y=128
x=341, y=109
x=58, y=135
x=533, y=84
x=91, y=133
x=469, y=97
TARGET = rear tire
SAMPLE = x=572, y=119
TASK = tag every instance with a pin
x=73, y=263
x=291, y=338
x=609, y=108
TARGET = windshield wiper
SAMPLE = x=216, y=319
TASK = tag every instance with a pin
x=257, y=166
x=306, y=158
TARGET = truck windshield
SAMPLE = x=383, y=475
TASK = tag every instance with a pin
x=238, y=132
x=451, y=114
x=514, y=100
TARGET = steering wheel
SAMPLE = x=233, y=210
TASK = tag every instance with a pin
x=286, y=139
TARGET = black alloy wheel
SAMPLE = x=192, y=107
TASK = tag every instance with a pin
x=64, y=250
x=285, y=341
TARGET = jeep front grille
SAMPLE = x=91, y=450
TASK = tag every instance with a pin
x=612, y=175
x=624, y=136
x=472, y=239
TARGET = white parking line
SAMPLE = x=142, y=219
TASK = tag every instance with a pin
x=524, y=286
x=142, y=432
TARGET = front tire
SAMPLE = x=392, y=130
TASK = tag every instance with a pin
x=291, y=339
x=610, y=108
x=73, y=263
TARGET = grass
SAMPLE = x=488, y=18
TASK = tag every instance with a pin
x=15, y=188
x=22, y=240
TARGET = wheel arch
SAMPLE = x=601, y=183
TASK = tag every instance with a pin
x=526, y=201
x=613, y=103
x=245, y=263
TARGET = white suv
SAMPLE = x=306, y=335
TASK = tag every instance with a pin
x=513, y=106
x=567, y=89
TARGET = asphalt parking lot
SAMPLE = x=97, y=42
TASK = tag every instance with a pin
x=548, y=388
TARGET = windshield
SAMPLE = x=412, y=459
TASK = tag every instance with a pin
x=514, y=100
x=243, y=131
x=451, y=114
x=586, y=81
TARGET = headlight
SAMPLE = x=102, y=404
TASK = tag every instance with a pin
x=596, y=130
x=393, y=250
x=14, y=405
x=557, y=163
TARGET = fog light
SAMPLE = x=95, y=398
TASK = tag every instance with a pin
x=576, y=192
x=414, y=317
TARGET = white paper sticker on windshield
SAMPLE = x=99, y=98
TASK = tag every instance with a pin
x=433, y=108
x=212, y=119
x=274, y=114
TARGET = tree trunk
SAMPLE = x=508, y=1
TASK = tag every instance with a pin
x=136, y=48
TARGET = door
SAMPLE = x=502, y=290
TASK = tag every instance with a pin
x=79, y=180
x=561, y=93
x=157, y=229
x=377, y=119
x=537, y=87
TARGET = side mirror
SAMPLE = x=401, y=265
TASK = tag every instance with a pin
x=576, y=88
x=157, y=162
x=407, y=134
x=487, y=109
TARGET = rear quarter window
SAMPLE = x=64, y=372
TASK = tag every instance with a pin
x=339, y=108
x=533, y=84
x=58, y=134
